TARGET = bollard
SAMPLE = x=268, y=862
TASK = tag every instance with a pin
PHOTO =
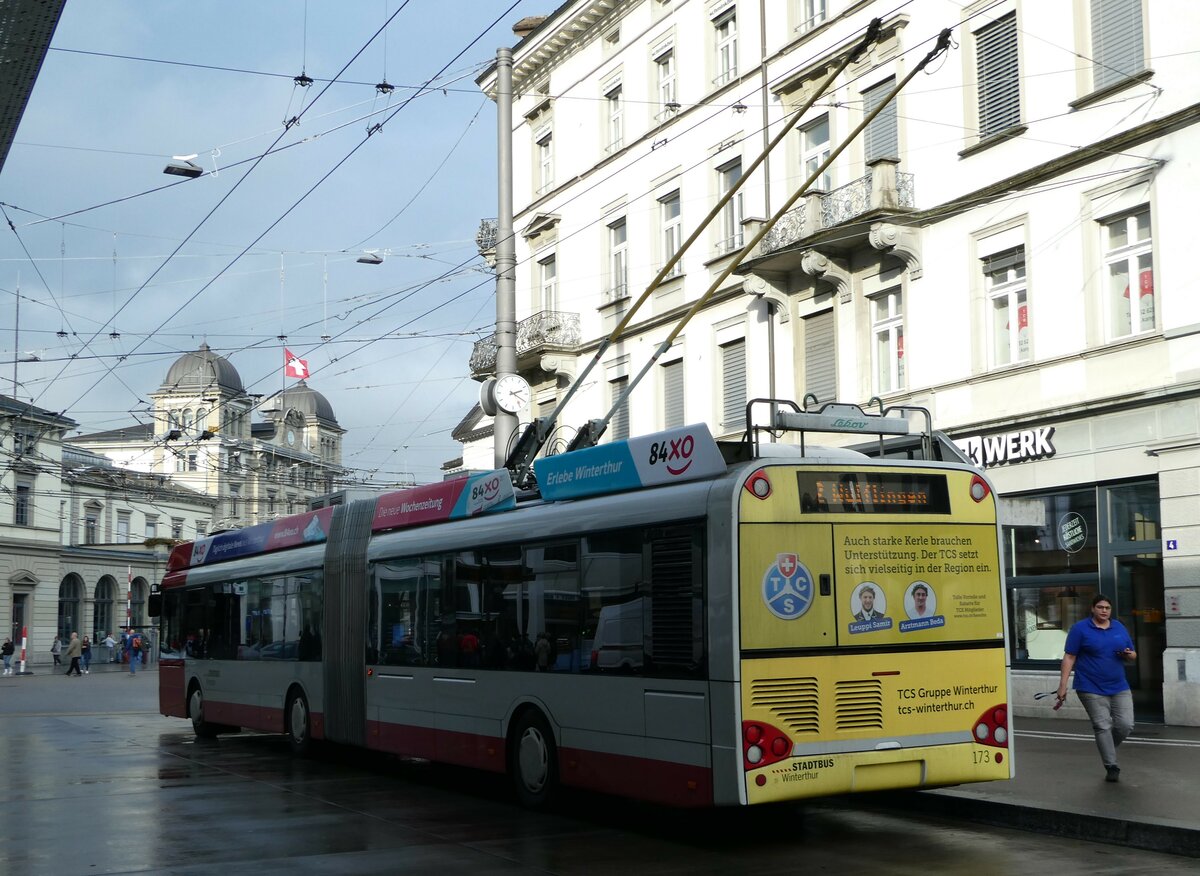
x=24, y=644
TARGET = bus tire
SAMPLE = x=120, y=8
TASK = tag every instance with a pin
x=533, y=760
x=200, y=727
x=299, y=725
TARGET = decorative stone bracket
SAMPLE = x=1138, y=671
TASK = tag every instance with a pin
x=902, y=242
x=822, y=267
x=760, y=287
x=562, y=367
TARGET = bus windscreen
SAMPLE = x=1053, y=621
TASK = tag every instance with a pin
x=843, y=492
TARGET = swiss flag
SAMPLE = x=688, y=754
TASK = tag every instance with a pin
x=294, y=366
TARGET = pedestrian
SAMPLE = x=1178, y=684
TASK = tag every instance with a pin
x=85, y=651
x=110, y=643
x=1097, y=648
x=56, y=650
x=133, y=647
x=74, y=649
x=541, y=651
x=7, y=652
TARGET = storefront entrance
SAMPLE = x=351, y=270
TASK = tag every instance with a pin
x=1139, y=595
x=1072, y=544
x=19, y=602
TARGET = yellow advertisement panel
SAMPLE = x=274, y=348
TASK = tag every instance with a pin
x=905, y=583
x=910, y=554
x=856, y=722
x=787, y=594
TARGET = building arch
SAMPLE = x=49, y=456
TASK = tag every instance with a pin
x=103, y=601
x=138, y=589
x=70, y=606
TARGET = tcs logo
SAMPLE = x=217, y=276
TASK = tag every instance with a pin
x=787, y=588
x=675, y=454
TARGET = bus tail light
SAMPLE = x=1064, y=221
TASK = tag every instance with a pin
x=759, y=485
x=763, y=744
x=979, y=489
x=991, y=728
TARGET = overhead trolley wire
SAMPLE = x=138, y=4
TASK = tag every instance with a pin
x=226, y=197
x=374, y=130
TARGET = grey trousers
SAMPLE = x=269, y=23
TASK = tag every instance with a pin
x=1112, y=721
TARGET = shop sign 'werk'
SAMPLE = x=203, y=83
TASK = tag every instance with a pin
x=987, y=451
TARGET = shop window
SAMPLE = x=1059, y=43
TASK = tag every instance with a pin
x=1064, y=543
x=1133, y=511
x=1042, y=617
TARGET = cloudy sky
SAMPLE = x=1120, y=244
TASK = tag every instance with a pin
x=121, y=268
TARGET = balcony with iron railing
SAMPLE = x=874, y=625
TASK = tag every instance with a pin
x=882, y=192
x=550, y=330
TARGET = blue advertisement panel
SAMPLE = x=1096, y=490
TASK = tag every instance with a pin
x=685, y=454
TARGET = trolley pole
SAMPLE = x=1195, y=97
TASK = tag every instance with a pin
x=504, y=423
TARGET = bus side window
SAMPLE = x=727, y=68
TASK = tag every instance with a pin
x=611, y=639
x=397, y=584
x=500, y=612
x=554, y=605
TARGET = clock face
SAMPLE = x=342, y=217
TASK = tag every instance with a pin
x=291, y=437
x=511, y=393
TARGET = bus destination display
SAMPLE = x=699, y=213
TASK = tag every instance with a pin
x=826, y=492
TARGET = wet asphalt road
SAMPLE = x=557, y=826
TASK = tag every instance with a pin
x=95, y=781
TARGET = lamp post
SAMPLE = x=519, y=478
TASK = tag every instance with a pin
x=505, y=423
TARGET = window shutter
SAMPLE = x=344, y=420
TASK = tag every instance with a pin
x=1003, y=261
x=733, y=386
x=999, y=89
x=881, y=138
x=820, y=372
x=618, y=426
x=673, y=395
x=1116, y=40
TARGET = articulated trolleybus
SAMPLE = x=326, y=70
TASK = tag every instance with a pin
x=671, y=619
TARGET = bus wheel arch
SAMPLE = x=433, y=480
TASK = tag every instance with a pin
x=297, y=720
x=532, y=757
x=195, y=709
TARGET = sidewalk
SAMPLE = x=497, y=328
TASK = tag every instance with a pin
x=97, y=666
x=1060, y=789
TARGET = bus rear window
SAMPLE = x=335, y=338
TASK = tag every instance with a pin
x=827, y=492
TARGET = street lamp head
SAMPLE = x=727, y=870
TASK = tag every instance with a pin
x=370, y=258
x=183, y=167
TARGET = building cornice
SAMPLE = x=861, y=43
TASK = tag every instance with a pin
x=1056, y=167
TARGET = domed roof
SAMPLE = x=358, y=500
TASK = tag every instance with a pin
x=303, y=398
x=202, y=369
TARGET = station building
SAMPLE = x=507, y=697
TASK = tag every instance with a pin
x=90, y=518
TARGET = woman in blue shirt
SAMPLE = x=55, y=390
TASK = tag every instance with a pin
x=1097, y=649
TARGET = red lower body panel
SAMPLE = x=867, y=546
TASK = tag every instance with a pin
x=671, y=784
x=172, y=700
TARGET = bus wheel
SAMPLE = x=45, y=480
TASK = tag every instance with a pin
x=200, y=727
x=533, y=761
x=299, y=738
